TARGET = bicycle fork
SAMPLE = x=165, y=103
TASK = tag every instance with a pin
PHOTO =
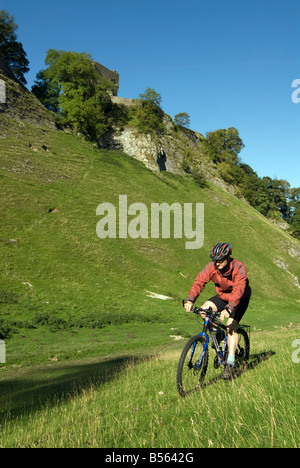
x=220, y=353
x=199, y=363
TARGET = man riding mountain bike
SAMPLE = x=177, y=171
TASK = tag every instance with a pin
x=232, y=299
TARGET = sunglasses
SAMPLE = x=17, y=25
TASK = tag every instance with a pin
x=217, y=262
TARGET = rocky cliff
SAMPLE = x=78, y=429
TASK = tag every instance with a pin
x=173, y=150
x=178, y=150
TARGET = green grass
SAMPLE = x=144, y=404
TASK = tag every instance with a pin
x=88, y=352
x=132, y=401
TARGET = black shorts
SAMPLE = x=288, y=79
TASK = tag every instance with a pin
x=239, y=311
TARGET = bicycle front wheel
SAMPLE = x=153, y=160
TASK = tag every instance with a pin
x=192, y=366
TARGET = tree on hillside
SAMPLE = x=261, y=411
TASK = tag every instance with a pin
x=146, y=115
x=271, y=197
x=150, y=95
x=294, y=211
x=183, y=119
x=71, y=86
x=224, y=145
x=10, y=49
x=279, y=192
x=47, y=91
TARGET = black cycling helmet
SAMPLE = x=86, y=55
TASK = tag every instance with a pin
x=220, y=251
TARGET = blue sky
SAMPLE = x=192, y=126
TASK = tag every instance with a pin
x=227, y=63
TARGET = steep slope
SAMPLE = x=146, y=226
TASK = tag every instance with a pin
x=54, y=263
x=20, y=104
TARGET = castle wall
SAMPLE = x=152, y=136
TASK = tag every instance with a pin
x=109, y=75
x=122, y=101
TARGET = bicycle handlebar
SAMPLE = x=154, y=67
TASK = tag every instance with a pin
x=209, y=313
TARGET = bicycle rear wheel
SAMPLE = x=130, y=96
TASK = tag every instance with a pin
x=192, y=366
x=243, y=348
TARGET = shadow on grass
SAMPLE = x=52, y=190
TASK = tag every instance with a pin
x=254, y=361
x=32, y=389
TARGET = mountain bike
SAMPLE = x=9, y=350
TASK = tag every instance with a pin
x=193, y=362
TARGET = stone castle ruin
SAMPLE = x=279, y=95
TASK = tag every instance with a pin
x=112, y=76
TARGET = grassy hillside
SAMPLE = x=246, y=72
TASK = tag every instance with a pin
x=58, y=272
x=66, y=294
x=54, y=262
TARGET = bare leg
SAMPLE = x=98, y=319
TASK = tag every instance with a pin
x=233, y=337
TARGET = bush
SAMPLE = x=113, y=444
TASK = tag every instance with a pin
x=146, y=117
x=199, y=178
x=53, y=323
x=5, y=329
x=7, y=297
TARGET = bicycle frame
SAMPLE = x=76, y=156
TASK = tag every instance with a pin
x=220, y=353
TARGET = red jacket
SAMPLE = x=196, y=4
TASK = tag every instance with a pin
x=231, y=286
